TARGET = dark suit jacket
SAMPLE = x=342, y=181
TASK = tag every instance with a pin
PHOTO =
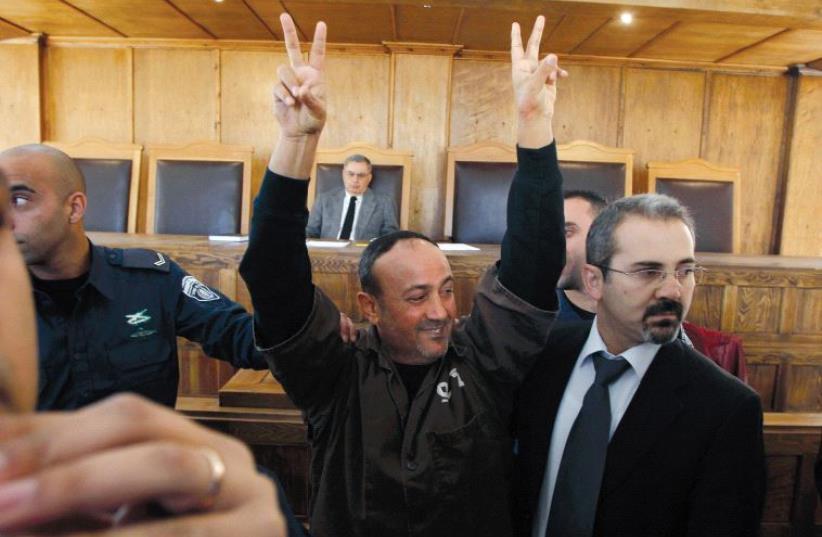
x=378, y=216
x=686, y=460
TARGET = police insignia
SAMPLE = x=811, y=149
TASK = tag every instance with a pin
x=193, y=288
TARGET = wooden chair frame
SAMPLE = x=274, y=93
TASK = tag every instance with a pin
x=697, y=169
x=93, y=148
x=576, y=151
x=378, y=157
x=203, y=152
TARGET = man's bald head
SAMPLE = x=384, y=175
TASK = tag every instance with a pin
x=65, y=175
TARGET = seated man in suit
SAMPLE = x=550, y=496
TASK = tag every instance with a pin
x=623, y=430
x=353, y=212
x=581, y=207
x=107, y=318
x=121, y=467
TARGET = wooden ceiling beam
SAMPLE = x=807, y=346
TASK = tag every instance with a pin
x=92, y=17
x=190, y=19
x=752, y=45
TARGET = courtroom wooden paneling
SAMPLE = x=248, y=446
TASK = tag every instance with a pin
x=745, y=119
x=663, y=117
x=358, y=100
x=19, y=93
x=88, y=94
x=176, y=96
x=588, y=105
x=420, y=121
x=246, y=104
x=482, y=107
x=802, y=226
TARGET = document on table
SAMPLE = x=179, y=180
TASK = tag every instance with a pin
x=456, y=247
x=228, y=238
x=327, y=244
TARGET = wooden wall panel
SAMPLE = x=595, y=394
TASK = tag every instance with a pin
x=88, y=94
x=358, y=100
x=19, y=94
x=745, y=126
x=802, y=227
x=420, y=126
x=482, y=103
x=175, y=96
x=587, y=105
x=706, y=307
x=248, y=79
x=757, y=309
x=663, y=117
x=809, y=311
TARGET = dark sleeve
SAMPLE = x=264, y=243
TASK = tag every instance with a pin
x=729, y=493
x=389, y=224
x=221, y=326
x=533, y=248
x=276, y=266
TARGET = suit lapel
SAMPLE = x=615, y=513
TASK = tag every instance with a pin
x=541, y=395
x=366, y=210
x=654, y=407
x=334, y=209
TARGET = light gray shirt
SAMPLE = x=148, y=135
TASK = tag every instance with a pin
x=621, y=392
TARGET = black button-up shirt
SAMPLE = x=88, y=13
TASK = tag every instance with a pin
x=122, y=333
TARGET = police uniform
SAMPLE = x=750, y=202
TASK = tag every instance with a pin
x=121, y=333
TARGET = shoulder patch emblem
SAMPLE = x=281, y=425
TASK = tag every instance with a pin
x=193, y=288
x=160, y=260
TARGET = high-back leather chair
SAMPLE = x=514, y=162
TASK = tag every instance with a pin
x=479, y=177
x=711, y=192
x=198, y=189
x=112, y=174
x=391, y=172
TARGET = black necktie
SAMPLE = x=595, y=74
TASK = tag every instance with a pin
x=574, y=504
x=349, y=219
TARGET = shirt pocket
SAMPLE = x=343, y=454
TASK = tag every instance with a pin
x=469, y=458
x=136, y=362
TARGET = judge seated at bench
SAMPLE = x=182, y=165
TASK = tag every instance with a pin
x=353, y=211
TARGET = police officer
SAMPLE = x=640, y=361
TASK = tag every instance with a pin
x=107, y=318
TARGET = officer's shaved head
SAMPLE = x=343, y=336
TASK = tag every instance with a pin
x=66, y=176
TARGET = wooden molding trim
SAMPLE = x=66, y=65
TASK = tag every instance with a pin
x=582, y=59
x=429, y=49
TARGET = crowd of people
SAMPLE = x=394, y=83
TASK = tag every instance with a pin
x=567, y=403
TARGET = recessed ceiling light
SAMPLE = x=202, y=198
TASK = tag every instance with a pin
x=219, y=1
x=427, y=6
x=626, y=18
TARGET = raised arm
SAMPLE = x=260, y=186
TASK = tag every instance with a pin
x=276, y=266
x=533, y=249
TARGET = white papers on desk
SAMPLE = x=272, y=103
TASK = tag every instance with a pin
x=228, y=238
x=327, y=244
x=456, y=247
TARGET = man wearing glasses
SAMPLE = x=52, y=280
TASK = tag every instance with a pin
x=354, y=211
x=622, y=428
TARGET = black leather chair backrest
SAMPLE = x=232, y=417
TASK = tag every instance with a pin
x=198, y=197
x=481, y=192
x=711, y=204
x=387, y=180
x=108, y=183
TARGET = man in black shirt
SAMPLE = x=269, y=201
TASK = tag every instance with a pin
x=107, y=318
x=409, y=424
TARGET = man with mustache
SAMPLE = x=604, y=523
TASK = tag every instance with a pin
x=623, y=429
x=409, y=425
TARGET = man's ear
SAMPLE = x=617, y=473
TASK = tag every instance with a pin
x=593, y=280
x=76, y=203
x=368, y=307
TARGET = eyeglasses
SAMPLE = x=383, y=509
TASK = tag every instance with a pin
x=686, y=274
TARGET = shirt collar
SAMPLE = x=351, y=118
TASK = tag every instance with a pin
x=100, y=274
x=639, y=356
